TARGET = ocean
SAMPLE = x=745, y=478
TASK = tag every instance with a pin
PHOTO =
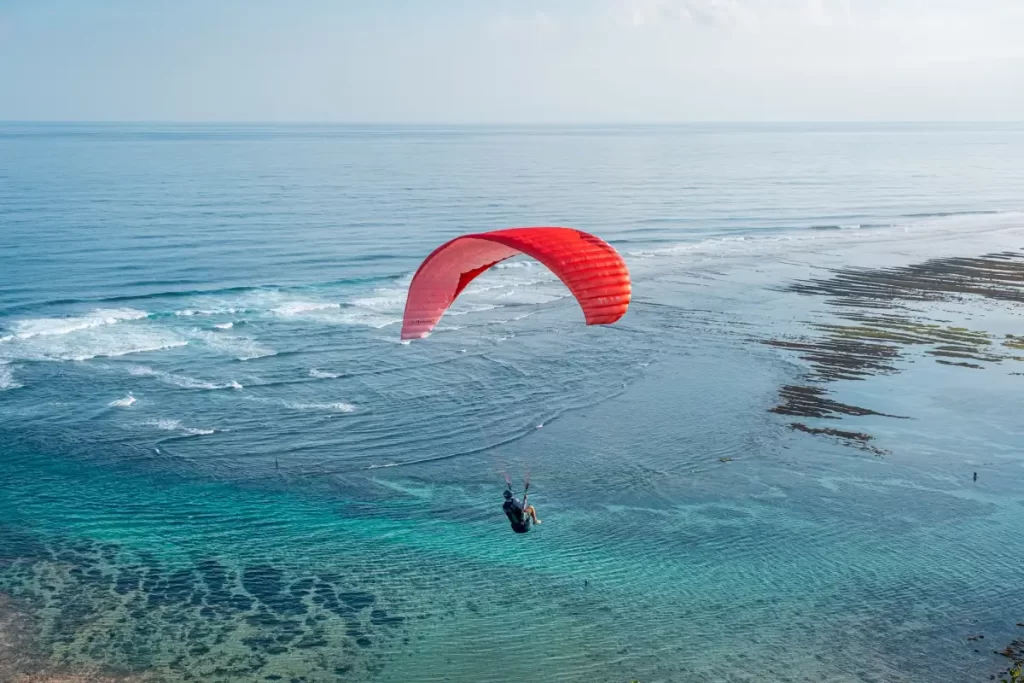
x=221, y=464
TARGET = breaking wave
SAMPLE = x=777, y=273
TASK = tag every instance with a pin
x=242, y=348
x=47, y=327
x=176, y=426
x=183, y=381
x=299, y=307
x=7, y=378
x=339, y=407
x=125, y=402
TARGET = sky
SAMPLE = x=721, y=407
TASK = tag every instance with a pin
x=512, y=61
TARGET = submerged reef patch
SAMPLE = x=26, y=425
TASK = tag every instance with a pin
x=96, y=605
x=878, y=328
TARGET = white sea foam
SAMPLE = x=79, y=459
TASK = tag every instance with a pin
x=516, y=263
x=7, y=378
x=710, y=244
x=125, y=402
x=330, y=407
x=381, y=307
x=339, y=407
x=202, y=312
x=390, y=299
x=126, y=348
x=296, y=308
x=534, y=297
x=503, y=284
x=46, y=327
x=242, y=348
x=100, y=333
x=384, y=308
x=77, y=348
x=322, y=374
x=183, y=381
x=462, y=308
x=925, y=231
x=249, y=349
x=377, y=322
x=176, y=426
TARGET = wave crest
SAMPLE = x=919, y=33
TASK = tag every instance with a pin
x=48, y=327
x=168, y=425
x=125, y=402
x=183, y=381
x=339, y=407
x=7, y=378
x=299, y=307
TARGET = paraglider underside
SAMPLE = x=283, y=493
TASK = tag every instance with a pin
x=591, y=269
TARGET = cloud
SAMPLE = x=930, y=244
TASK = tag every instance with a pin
x=539, y=60
x=747, y=13
x=728, y=13
x=718, y=13
x=911, y=32
x=530, y=24
x=828, y=13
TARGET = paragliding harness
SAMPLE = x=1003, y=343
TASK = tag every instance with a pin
x=516, y=511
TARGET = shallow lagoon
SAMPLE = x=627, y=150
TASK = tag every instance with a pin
x=297, y=495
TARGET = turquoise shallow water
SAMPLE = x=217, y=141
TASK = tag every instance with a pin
x=220, y=464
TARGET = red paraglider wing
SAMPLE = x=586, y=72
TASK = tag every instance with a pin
x=591, y=269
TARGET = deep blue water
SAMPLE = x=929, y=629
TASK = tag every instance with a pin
x=220, y=463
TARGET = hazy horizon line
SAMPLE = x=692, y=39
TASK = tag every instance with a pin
x=313, y=122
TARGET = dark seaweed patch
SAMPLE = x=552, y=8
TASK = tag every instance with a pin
x=961, y=365
x=807, y=401
x=997, y=276
x=1015, y=653
x=858, y=439
x=876, y=303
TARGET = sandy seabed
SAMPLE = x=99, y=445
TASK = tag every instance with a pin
x=20, y=663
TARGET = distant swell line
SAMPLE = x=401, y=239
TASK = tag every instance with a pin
x=948, y=214
x=850, y=226
x=129, y=297
x=178, y=294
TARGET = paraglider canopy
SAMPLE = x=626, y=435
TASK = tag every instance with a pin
x=591, y=269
